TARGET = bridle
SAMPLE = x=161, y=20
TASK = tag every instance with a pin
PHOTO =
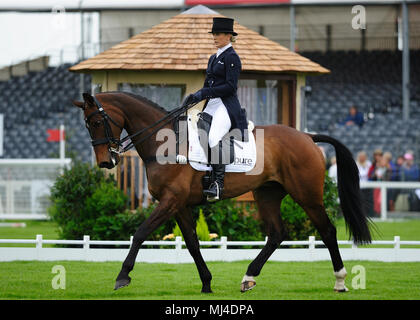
x=109, y=136
x=115, y=145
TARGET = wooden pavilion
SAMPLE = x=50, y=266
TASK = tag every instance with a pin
x=169, y=61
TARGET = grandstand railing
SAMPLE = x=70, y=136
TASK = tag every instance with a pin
x=310, y=36
x=220, y=250
x=384, y=186
x=25, y=185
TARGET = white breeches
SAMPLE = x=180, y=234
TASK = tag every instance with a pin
x=220, y=124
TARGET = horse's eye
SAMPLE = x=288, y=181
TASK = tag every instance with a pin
x=97, y=123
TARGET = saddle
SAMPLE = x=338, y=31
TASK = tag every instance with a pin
x=241, y=155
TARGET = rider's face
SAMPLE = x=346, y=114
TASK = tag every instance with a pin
x=221, y=39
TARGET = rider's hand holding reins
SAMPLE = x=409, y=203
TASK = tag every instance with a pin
x=193, y=98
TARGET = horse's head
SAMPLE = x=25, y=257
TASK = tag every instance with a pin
x=105, y=124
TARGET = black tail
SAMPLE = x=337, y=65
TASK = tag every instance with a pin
x=349, y=191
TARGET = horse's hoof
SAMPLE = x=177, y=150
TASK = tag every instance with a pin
x=342, y=289
x=122, y=283
x=247, y=285
x=206, y=291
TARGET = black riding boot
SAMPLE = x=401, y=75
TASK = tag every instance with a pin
x=217, y=160
x=214, y=192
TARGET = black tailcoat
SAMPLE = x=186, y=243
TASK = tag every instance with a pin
x=222, y=77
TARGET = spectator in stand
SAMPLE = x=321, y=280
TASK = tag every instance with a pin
x=391, y=166
x=399, y=163
x=353, y=118
x=377, y=157
x=363, y=163
x=376, y=171
x=397, y=192
x=382, y=173
x=382, y=170
x=409, y=170
x=392, y=175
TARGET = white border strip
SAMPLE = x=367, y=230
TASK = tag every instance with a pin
x=178, y=254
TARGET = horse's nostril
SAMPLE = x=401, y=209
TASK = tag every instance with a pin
x=102, y=165
x=106, y=164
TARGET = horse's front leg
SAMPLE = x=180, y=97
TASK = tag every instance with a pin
x=162, y=213
x=187, y=226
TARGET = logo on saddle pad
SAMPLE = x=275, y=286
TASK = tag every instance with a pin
x=244, y=161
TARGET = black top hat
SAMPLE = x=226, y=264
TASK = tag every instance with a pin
x=223, y=25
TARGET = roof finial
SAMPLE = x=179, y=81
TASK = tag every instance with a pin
x=199, y=9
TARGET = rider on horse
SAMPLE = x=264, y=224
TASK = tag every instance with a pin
x=222, y=110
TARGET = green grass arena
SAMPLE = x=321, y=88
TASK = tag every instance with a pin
x=277, y=281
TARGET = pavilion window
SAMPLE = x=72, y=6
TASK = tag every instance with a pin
x=260, y=99
x=167, y=96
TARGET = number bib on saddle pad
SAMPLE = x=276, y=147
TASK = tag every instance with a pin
x=245, y=152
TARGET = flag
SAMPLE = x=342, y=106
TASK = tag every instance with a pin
x=54, y=135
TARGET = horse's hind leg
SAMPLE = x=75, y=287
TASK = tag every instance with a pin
x=187, y=226
x=306, y=186
x=328, y=233
x=268, y=199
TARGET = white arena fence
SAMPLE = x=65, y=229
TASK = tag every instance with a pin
x=384, y=186
x=25, y=186
x=222, y=250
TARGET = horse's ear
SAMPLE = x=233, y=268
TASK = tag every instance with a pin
x=79, y=104
x=88, y=98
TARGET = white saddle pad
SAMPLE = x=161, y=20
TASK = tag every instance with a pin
x=245, y=152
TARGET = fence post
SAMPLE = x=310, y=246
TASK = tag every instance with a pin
x=311, y=247
x=86, y=246
x=384, y=203
x=397, y=246
x=86, y=243
x=223, y=247
x=39, y=241
x=311, y=242
x=131, y=241
x=178, y=247
x=178, y=243
x=38, y=246
x=397, y=242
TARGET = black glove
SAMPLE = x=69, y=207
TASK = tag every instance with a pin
x=192, y=98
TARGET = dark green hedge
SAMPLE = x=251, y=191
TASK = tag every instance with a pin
x=86, y=202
